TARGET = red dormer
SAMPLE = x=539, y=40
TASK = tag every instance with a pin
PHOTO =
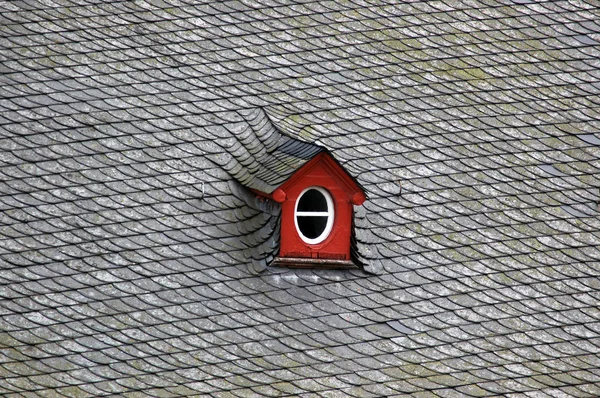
x=317, y=209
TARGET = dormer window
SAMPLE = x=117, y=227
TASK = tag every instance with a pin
x=314, y=215
x=311, y=222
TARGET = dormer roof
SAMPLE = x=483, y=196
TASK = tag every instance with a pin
x=264, y=157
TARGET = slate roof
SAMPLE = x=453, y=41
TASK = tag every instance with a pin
x=259, y=156
x=133, y=261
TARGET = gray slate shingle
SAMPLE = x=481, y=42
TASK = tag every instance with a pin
x=133, y=261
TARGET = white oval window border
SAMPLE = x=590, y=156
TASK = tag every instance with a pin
x=330, y=216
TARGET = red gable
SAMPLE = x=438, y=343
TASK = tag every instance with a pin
x=317, y=210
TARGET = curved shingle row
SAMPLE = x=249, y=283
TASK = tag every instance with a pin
x=134, y=260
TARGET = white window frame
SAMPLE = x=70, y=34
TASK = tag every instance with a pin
x=330, y=213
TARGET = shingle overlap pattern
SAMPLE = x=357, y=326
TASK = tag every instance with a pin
x=134, y=258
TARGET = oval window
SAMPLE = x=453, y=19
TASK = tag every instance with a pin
x=314, y=215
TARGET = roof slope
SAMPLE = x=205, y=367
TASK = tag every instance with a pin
x=260, y=157
x=129, y=252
